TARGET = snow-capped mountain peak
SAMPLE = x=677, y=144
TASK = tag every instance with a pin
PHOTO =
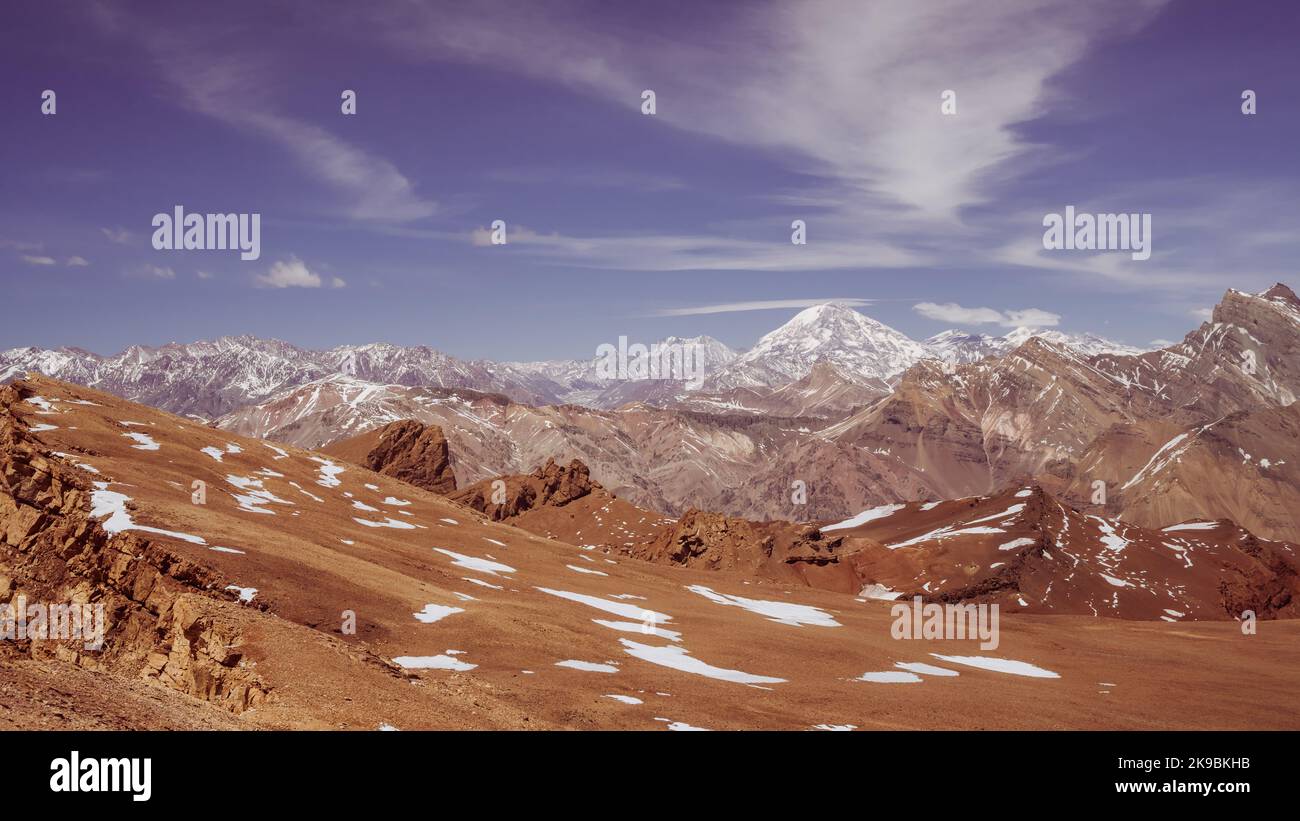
x=855, y=344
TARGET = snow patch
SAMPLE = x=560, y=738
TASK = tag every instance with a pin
x=997, y=665
x=475, y=563
x=794, y=615
x=679, y=658
x=865, y=516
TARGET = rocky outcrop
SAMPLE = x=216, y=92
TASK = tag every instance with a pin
x=552, y=485
x=1267, y=587
x=165, y=618
x=717, y=542
x=406, y=450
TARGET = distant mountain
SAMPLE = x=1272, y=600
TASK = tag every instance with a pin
x=583, y=384
x=857, y=346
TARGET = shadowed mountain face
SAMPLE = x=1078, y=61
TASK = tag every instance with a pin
x=1046, y=414
x=1026, y=550
x=1020, y=548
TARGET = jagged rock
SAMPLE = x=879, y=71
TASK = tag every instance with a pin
x=551, y=485
x=51, y=551
x=406, y=450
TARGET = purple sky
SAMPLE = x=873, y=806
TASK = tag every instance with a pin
x=529, y=112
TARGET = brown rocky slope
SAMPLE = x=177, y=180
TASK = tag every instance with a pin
x=466, y=623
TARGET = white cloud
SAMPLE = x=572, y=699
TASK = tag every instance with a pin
x=1031, y=318
x=294, y=273
x=952, y=312
x=36, y=260
x=76, y=262
x=960, y=315
x=1202, y=313
x=758, y=305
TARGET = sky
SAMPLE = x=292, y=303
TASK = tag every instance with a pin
x=376, y=226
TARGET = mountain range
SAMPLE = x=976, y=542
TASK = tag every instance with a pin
x=868, y=416
x=209, y=378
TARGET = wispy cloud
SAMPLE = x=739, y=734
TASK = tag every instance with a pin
x=661, y=252
x=589, y=178
x=38, y=260
x=1208, y=231
x=219, y=80
x=117, y=236
x=960, y=315
x=20, y=245
x=845, y=92
x=223, y=88
x=848, y=90
x=150, y=271
x=759, y=305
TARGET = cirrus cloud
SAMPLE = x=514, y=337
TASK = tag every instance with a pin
x=759, y=305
